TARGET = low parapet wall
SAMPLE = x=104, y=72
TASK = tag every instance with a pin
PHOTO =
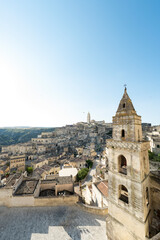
x=56, y=201
x=30, y=201
x=92, y=209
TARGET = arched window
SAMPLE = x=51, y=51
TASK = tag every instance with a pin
x=124, y=105
x=123, y=193
x=122, y=165
x=123, y=134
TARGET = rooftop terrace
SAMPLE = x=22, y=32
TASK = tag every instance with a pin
x=27, y=187
x=46, y=223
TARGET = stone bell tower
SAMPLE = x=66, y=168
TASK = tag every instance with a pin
x=128, y=204
x=88, y=118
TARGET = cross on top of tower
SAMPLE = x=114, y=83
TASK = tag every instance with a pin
x=125, y=87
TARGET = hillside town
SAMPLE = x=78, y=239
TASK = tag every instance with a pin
x=50, y=152
x=76, y=164
x=54, y=157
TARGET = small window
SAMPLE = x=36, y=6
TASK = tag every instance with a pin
x=147, y=196
x=158, y=146
x=123, y=133
x=138, y=136
x=124, y=105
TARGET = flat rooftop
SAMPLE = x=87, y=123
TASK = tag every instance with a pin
x=58, y=180
x=26, y=187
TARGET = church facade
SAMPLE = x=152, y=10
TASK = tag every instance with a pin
x=129, y=193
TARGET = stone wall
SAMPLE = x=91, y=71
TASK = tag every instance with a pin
x=69, y=187
x=155, y=202
x=37, y=190
x=6, y=199
x=92, y=209
x=56, y=201
x=131, y=124
x=21, y=201
x=122, y=225
x=5, y=196
x=118, y=231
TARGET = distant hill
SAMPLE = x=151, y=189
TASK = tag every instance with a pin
x=16, y=135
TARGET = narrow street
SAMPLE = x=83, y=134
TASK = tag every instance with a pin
x=91, y=172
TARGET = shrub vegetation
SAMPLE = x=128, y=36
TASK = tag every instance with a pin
x=82, y=173
x=29, y=169
x=154, y=157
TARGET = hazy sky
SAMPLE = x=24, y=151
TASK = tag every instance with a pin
x=60, y=59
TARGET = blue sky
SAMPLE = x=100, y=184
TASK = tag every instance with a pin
x=60, y=59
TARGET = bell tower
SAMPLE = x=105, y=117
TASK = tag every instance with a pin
x=128, y=176
x=88, y=118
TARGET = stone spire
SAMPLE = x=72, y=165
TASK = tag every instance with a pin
x=125, y=105
x=126, y=122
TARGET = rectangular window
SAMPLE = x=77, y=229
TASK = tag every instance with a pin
x=147, y=197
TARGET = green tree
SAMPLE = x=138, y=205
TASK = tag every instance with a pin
x=89, y=163
x=82, y=173
x=29, y=169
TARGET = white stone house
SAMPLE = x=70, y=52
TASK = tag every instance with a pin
x=97, y=194
x=68, y=171
x=100, y=194
x=87, y=194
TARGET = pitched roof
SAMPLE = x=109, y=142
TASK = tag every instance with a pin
x=103, y=187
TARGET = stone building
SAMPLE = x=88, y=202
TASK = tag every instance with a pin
x=100, y=193
x=18, y=162
x=20, y=191
x=67, y=171
x=21, y=148
x=155, y=203
x=4, y=170
x=78, y=162
x=39, y=163
x=156, y=145
x=128, y=176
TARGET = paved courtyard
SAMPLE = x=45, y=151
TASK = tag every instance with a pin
x=46, y=223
